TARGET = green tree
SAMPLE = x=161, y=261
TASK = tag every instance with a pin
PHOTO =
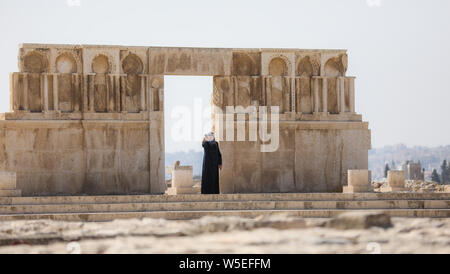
x=444, y=172
x=386, y=169
x=435, y=176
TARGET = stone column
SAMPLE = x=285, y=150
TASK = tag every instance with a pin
x=123, y=90
x=263, y=93
x=25, y=92
x=324, y=95
x=77, y=98
x=358, y=181
x=351, y=89
x=293, y=96
x=45, y=92
x=117, y=93
x=342, y=94
x=316, y=94
x=14, y=92
x=109, y=88
x=268, y=91
x=143, y=92
x=55, y=92
x=85, y=93
x=91, y=91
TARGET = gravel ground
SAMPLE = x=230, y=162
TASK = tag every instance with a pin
x=275, y=234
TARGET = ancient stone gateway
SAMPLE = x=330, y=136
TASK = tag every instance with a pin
x=89, y=119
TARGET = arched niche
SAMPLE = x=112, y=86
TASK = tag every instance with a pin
x=132, y=64
x=305, y=67
x=35, y=62
x=66, y=63
x=278, y=67
x=68, y=87
x=334, y=67
x=100, y=64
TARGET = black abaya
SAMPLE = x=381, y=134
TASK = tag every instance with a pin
x=212, y=159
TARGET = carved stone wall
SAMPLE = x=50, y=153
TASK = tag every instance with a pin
x=89, y=119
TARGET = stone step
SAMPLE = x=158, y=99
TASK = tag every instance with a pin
x=185, y=215
x=10, y=193
x=223, y=205
x=223, y=197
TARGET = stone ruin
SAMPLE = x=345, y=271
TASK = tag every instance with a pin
x=413, y=171
x=89, y=119
x=182, y=181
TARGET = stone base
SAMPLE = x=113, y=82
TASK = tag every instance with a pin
x=7, y=180
x=8, y=185
x=393, y=189
x=356, y=189
x=181, y=190
x=11, y=193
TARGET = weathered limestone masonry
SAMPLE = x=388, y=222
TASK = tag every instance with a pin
x=89, y=119
x=182, y=180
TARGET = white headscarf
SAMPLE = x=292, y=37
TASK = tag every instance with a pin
x=210, y=137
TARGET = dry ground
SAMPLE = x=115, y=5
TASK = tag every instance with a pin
x=275, y=234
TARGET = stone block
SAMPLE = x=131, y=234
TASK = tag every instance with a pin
x=358, y=181
x=396, y=178
x=8, y=185
x=182, y=176
x=182, y=180
x=7, y=180
x=396, y=182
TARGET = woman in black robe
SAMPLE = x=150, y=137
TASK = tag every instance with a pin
x=212, y=162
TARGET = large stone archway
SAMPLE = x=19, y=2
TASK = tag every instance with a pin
x=111, y=139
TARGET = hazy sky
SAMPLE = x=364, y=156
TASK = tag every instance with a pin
x=399, y=50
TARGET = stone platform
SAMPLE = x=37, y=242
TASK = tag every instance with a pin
x=182, y=207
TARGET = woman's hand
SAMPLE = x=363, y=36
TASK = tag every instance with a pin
x=220, y=167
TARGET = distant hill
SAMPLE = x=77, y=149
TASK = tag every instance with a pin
x=429, y=158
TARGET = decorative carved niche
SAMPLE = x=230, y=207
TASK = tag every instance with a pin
x=69, y=86
x=133, y=67
x=278, y=67
x=243, y=91
x=308, y=66
x=223, y=95
x=66, y=63
x=336, y=66
x=304, y=94
x=35, y=62
x=246, y=63
x=332, y=96
x=101, y=67
x=157, y=96
x=278, y=93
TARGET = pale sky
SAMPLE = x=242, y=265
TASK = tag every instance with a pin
x=399, y=50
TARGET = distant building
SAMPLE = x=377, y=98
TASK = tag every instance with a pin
x=413, y=171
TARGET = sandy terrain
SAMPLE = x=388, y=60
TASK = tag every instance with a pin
x=275, y=234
